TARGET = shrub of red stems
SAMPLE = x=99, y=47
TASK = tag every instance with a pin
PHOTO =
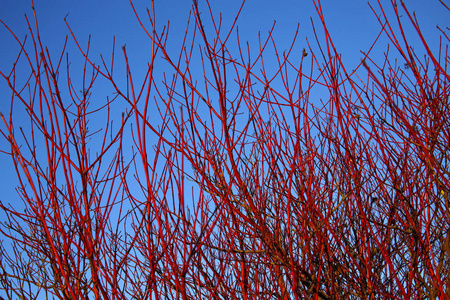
x=227, y=179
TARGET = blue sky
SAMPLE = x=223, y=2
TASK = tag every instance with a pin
x=351, y=23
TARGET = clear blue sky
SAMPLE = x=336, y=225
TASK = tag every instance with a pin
x=352, y=25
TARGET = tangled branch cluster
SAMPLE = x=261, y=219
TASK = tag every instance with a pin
x=235, y=183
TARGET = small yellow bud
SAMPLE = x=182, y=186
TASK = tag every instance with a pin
x=304, y=53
